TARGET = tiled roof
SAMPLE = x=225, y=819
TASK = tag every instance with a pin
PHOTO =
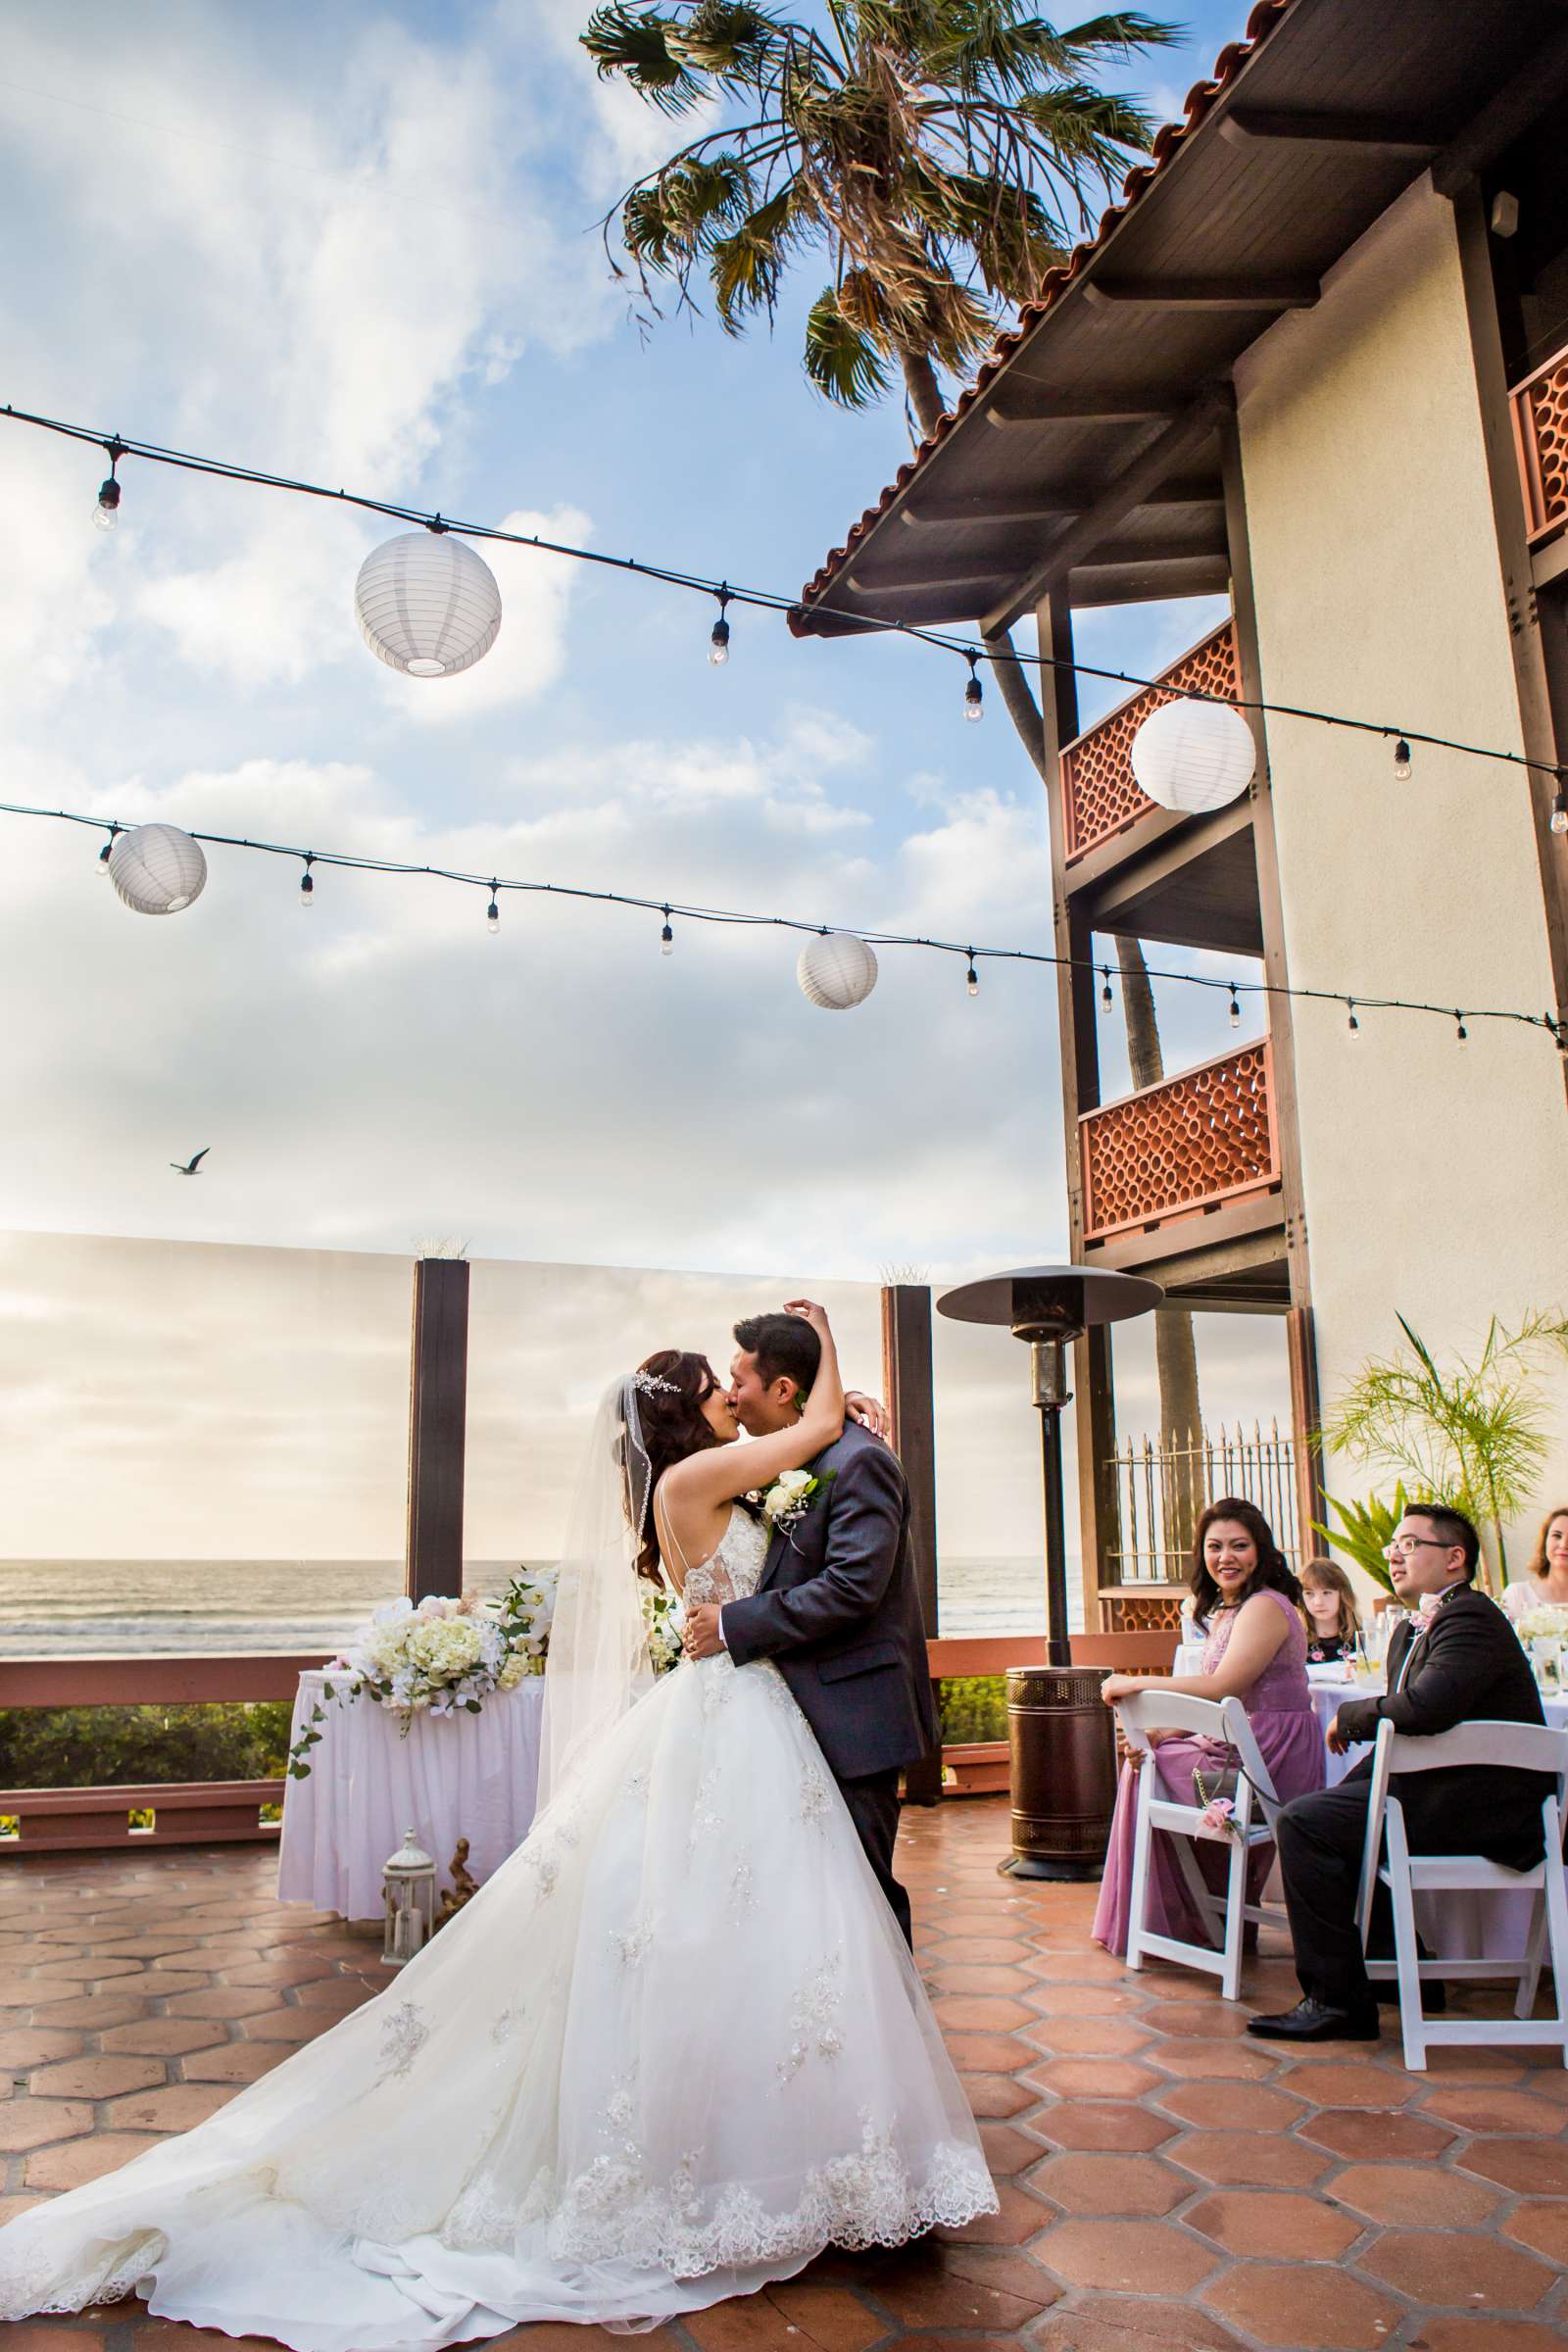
x=1167, y=143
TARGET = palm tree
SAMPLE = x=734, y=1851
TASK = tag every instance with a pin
x=941, y=155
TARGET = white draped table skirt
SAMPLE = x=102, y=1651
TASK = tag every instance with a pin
x=460, y=1775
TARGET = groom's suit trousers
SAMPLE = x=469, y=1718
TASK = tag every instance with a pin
x=873, y=1804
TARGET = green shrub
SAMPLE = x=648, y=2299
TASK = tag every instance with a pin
x=973, y=1708
x=100, y=1747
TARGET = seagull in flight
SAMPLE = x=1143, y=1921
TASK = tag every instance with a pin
x=191, y=1167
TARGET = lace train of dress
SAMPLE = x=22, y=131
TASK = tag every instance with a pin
x=670, y=2051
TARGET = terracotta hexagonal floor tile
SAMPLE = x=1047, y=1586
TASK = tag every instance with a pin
x=1092, y=2078
x=233, y=2062
x=1110, y=2184
x=1132, y=2323
x=52, y=2336
x=17, y=1992
x=1248, y=2159
x=1090, y=2037
x=1125, y=2255
x=287, y=2025
x=1534, y=2167
x=969, y=2013
x=1542, y=2228
x=223, y=2000
x=1457, y=2268
x=102, y=2078
x=1104, y=2124
x=829, y=2315
x=1372, y=2132
x=174, y=2108
x=1349, y=2083
x=987, y=2053
x=171, y=2335
x=35, y=2123
x=162, y=2036
x=1019, y=2217
x=336, y=1996
x=1478, y=2107
x=1414, y=2193
x=11, y=2206
x=982, y=1951
x=1230, y=2060
x=1233, y=2106
x=1204, y=2021
x=1453, y=2334
x=1010, y=2150
x=76, y=2161
x=1321, y=2310
x=1274, y=2222
x=35, y=2045
x=1082, y=2001
x=922, y=2289
x=963, y=1976
x=90, y=1969
x=996, y=2094
x=300, y=1969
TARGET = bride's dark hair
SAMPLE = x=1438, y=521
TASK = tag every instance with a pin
x=672, y=1425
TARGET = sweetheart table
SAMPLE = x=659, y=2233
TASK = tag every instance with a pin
x=459, y=1776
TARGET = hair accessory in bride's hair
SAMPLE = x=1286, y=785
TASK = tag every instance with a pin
x=650, y=1381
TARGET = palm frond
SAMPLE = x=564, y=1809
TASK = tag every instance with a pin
x=746, y=266
x=725, y=38
x=840, y=358
x=1119, y=34
x=635, y=43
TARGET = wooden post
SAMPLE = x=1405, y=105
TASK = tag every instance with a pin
x=1093, y=1380
x=438, y=1394
x=911, y=1397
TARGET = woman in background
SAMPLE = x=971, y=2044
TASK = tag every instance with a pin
x=1545, y=1583
x=1333, y=1620
x=1256, y=1651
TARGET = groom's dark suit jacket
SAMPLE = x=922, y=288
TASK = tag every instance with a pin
x=839, y=1614
x=1469, y=1667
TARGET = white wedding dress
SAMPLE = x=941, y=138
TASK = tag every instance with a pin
x=674, y=2048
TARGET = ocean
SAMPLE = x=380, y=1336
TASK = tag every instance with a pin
x=78, y=1608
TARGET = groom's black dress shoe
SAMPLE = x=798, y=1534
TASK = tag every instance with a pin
x=1315, y=2020
x=1434, y=1995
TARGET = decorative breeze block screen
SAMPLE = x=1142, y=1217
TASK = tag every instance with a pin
x=1186, y=1145
x=1101, y=795
x=1541, y=441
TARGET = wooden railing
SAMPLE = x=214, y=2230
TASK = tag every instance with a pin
x=1100, y=795
x=1540, y=407
x=1181, y=1148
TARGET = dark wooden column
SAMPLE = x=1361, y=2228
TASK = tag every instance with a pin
x=910, y=1399
x=1093, y=1379
x=438, y=1397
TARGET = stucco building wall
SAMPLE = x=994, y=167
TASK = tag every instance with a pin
x=1434, y=1176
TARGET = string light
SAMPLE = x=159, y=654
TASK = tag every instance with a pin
x=307, y=885
x=107, y=851
x=1401, y=761
x=763, y=598
x=1559, y=813
x=1236, y=1007
x=1106, y=999
x=666, y=937
x=973, y=976
x=106, y=513
x=1462, y=1033
x=718, y=637
x=1352, y=1023
x=493, y=912
x=974, y=701
x=751, y=920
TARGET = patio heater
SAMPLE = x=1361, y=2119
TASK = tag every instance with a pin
x=1061, y=1734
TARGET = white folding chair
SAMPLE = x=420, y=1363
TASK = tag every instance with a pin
x=1520, y=1747
x=1182, y=1819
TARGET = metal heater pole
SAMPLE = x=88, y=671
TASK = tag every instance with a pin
x=1047, y=1363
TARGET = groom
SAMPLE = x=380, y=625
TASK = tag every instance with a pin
x=837, y=1610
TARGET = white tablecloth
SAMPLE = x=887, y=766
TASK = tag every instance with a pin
x=466, y=1776
x=1484, y=1926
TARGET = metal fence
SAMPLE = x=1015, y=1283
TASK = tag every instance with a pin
x=1161, y=1491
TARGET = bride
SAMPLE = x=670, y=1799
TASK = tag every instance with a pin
x=674, y=2048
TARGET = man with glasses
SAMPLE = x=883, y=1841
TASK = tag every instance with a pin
x=1456, y=1659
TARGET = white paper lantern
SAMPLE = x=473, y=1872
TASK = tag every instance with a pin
x=836, y=970
x=1194, y=756
x=428, y=604
x=157, y=869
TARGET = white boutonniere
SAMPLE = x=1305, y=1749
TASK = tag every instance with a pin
x=789, y=1497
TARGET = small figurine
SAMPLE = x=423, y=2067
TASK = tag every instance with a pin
x=464, y=1886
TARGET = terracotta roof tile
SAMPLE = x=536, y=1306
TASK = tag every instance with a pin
x=1167, y=142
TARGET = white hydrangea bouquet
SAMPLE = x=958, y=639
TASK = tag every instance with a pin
x=1549, y=1622
x=665, y=1622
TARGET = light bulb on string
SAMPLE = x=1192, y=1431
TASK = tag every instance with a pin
x=666, y=937
x=972, y=977
x=106, y=510
x=1559, y=811
x=1401, y=761
x=1351, y=1021
x=719, y=638
x=107, y=851
x=1106, y=999
x=1461, y=1035
x=974, y=700
x=493, y=913
x=307, y=885
x=1236, y=1007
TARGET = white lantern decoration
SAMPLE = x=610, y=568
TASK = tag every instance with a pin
x=836, y=971
x=428, y=604
x=408, y=1893
x=157, y=869
x=1194, y=756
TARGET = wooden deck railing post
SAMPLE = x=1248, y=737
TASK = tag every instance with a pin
x=911, y=1400
x=438, y=1395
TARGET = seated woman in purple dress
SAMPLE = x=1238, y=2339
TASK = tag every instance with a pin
x=1256, y=1651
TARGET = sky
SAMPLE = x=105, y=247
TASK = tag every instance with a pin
x=359, y=246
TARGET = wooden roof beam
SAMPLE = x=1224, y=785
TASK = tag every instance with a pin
x=1203, y=293
x=921, y=513
x=1380, y=135
x=1023, y=402
x=1180, y=440
x=936, y=583
x=1538, y=86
